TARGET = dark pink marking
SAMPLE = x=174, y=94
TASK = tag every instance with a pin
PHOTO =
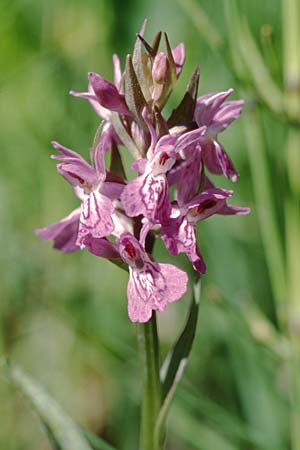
x=132, y=252
x=207, y=204
x=77, y=177
x=163, y=158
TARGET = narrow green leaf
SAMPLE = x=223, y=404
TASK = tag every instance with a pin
x=291, y=55
x=255, y=386
x=171, y=61
x=155, y=43
x=253, y=60
x=51, y=438
x=176, y=361
x=146, y=45
x=137, y=51
x=264, y=195
x=153, y=47
x=200, y=435
x=137, y=60
x=202, y=22
x=133, y=93
x=232, y=21
x=124, y=136
x=62, y=431
x=98, y=134
x=185, y=110
x=197, y=405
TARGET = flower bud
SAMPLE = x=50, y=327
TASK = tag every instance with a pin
x=161, y=76
x=161, y=69
x=107, y=94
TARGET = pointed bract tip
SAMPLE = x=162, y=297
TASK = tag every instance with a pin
x=145, y=21
x=55, y=145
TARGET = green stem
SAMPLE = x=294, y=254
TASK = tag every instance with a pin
x=291, y=55
x=293, y=245
x=149, y=347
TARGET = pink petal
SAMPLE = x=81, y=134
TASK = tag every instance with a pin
x=217, y=161
x=189, y=138
x=225, y=162
x=112, y=190
x=95, y=217
x=131, y=197
x=197, y=261
x=122, y=224
x=107, y=94
x=179, y=57
x=188, y=244
x=207, y=203
x=139, y=165
x=155, y=198
x=208, y=105
x=152, y=288
x=117, y=71
x=78, y=173
x=227, y=113
x=98, y=155
x=65, y=151
x=138, y=309
x=91, y=97
x=179, y=236
x=101, y=247
x=73, y=167
x=189, y=180
x=228, y=210
x=176, y=282
x=64, y=233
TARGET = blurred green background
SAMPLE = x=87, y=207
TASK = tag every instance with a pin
x=63, y=317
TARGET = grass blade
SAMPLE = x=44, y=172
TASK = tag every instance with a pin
x=62, y=431
x=175, y=362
